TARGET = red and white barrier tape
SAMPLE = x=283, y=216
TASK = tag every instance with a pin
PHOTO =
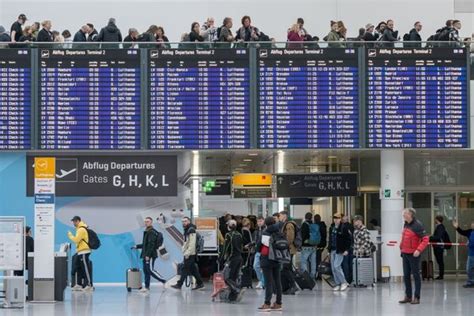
x=448, y=243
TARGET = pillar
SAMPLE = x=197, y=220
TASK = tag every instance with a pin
x=196, y=187
x=392, y=187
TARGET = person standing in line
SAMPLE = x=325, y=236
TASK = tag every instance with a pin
x=439, y=235
x=311, y=237
x=190, y=256
x=414, y=242
x=271, y=268
x=256, y=262
x=83, y=251
x=232, y=256
x=16, y=29
x=323, y=230
x=347, y=262
x=469, y=233
x=289, y=229
x=362, y=242
x=152, y=239
x=339, y=244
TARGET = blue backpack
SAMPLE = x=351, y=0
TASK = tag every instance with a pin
x=314, y=235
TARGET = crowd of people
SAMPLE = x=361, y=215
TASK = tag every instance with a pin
x=266, y=248
x=382, y=35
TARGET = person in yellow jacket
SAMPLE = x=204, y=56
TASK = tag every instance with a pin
x=83, y=251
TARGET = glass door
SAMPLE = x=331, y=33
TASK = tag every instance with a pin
x=444, y=204
x=465, y=218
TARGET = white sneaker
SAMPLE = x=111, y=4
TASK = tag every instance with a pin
x=259, y=286
x=337, y=288
x=144, y=290
x=344, y=287
x=76, y=288
x=88, y=289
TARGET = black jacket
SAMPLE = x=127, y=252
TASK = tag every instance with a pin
x=390, y=36
x=80, y=37
x=25, y=38
x=152, y=239
x=343, y=238
x=5, y=38
x=438, y=235
x=44, y=36
x=29, y=247
x=193, y=37
x=110, y=33
x=323, y=229
x=305, y=232
x=93, y=36
x=414, y=39
x=232, y=245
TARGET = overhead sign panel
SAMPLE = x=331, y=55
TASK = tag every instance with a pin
x=316, y=185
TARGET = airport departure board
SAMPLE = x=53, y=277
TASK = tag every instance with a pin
x=15, y=99
x=89, y=99
x=417, y=98
x=308, y=98
x=199, y=99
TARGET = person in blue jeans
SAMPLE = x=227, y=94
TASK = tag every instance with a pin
x=469, y=233
x=339, y=244
x=311, y=238
x=256, y=262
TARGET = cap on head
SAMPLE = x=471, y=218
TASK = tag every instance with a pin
x=76, y=218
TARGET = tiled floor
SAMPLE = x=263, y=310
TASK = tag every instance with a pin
x=438, y=298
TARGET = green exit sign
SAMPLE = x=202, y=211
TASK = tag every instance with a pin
x=210, y=184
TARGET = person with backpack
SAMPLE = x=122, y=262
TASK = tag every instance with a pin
x=323, y=230
x=83, y=251
x=293, y=235
x=152, y=240
x=311, y=236
x=469, y=233
x=271, y=268
x=232, y=256
x=414, y=242
x=440, y=235
x=256, y=262
x=413, y=38
x=339, y=245
x=190, y=250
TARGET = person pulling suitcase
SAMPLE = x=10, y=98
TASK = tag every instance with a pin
x=363, y=267
x=152, y=240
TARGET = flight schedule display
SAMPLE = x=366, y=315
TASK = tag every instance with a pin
x=199, y=99
x=15, y=99
x=417, y=98
x=89, y=99
x=308, y=98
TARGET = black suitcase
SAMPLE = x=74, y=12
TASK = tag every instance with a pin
x=427, y=271
x=304, y=280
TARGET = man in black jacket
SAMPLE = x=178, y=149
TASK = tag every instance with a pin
x=92, y=33
x=81, y=35
x=439, y=236
x=414, y=36
x=323, y=230
x=389, y=35
x=152, y=239
x=16, y=30
x=110, y=33
x=339, y=245
x=232, y=255
x=45, y=35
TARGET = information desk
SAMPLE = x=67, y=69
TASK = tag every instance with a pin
x=308, y=98
x=199, y=99
x=417, y=98
x=89, y=99
x=15, y=99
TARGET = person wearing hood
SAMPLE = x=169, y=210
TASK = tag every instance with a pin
x=190, y=256
x=83, y=251
x=110, y=33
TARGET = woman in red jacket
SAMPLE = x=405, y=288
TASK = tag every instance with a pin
x=414, y=241
x=295, y=36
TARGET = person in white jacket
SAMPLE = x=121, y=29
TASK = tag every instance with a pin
x=190, y=256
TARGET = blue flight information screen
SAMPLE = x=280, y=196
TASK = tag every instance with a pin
x=199, y=99
x=89, y=99
x=308, y=98
x=417, y=98
x=15, y=99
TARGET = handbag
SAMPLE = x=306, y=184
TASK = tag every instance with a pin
x=325, y=267
x=163, y=253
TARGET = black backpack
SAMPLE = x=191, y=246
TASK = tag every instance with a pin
x=443, y=35
x=219, y=33
x=446, y=239
x=406, y=37
x=94, y=241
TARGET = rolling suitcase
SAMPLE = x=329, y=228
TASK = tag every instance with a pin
x=427, y=271
x=363, y=271
x=246, y=278
x=304, y=280
x=134, y=274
